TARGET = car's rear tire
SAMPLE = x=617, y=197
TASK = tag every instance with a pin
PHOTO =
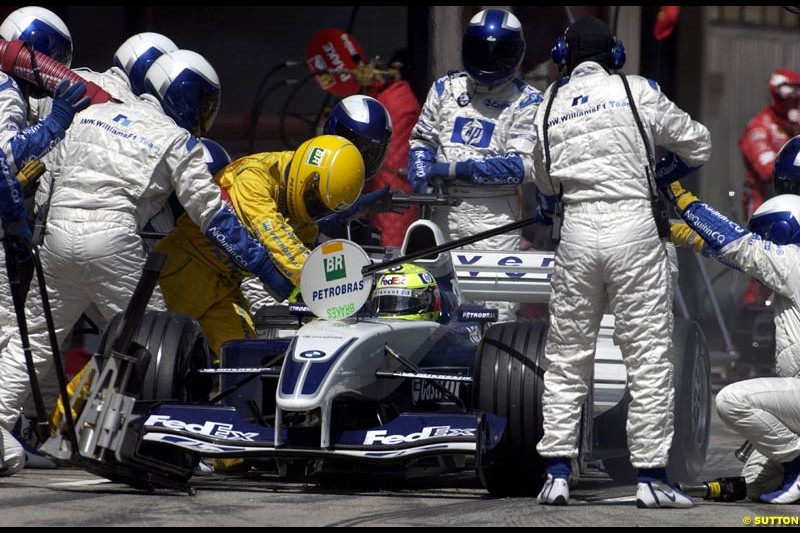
x=509, y=370
x=692, y=409
x=177, y=349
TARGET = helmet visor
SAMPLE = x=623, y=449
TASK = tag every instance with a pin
x=789, y=91
x=787, y=186
x=312, y=198
x=492, y=56
x=397, y=301
x=373, y=151
x=208, y=106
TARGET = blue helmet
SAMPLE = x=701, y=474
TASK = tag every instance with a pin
x=43, y=29
x=786, y=173
x=493, y=47
x=778, y=219
x=363, y=121
x=138, y=52
x=187, y=86
x=217, y=157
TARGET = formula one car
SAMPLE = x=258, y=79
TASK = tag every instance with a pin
x=361, y=393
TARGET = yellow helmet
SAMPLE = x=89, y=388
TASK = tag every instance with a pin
x=408, y=292
x=326, y=174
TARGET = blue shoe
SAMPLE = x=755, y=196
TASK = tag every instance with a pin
x=790, y=490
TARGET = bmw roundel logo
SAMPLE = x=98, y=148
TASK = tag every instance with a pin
x=311, y=354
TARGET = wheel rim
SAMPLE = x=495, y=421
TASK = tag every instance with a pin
x=700, y=396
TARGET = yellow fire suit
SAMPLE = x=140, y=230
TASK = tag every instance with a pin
x=200, y=281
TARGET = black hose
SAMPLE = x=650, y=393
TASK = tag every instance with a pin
x=259, y=99
x=285, y=111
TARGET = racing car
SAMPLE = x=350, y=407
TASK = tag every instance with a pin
x=360, y=392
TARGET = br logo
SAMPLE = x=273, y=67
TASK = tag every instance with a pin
x=333, y=261
x=316, y=156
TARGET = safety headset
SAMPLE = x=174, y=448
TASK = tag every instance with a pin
x=560, y=52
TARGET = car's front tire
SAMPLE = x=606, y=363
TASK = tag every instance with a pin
x=509, y=370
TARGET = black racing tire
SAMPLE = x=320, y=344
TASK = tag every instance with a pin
x=177, y=349
x=692, y=377
x=509, y=382
x=692, y=409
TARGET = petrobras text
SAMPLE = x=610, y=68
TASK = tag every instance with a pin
x=479, y=315
x=431, y=432
x=338, y=290
x=211, y=429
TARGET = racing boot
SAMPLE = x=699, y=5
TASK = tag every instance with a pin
x=556, y=489
x=653, y=491
x=790, y=489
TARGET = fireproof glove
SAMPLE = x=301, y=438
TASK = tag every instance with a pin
x=30, y=172
x=679, y=196
x=67, y=101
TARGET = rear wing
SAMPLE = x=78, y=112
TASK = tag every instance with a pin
x=502, y=276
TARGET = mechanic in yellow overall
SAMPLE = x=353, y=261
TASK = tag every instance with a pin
x=279, y=197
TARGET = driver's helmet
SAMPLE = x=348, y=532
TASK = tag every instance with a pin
x=326, y=175
x=778, y=219
x=407, y=292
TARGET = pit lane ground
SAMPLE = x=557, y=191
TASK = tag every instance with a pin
x=69, y=497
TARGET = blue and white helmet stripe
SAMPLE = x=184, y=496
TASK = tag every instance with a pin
x=43, y=29
x=366, y=123
x=138, y=53
x=187, y=87
x=505, y=25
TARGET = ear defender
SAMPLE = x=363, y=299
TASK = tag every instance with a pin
x=617, y=55
x=560, y=52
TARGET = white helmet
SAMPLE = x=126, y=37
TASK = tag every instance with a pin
x=138, y=52
x=43, y=29
x=187, y=87
x=778, y=219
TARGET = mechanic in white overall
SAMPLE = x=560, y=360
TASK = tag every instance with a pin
x=476, y=131
x=596, y=155
x=15, y=233
x=116, y=167
x=765, y=411
x=22, y=138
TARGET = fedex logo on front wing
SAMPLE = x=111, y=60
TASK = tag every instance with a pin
x=430, y=432
x=211, y=429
